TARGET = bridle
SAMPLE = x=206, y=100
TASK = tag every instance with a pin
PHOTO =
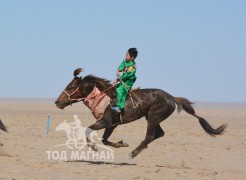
x=74, y=92
x=81, y=99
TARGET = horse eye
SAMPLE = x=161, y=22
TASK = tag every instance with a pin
x=72, y=87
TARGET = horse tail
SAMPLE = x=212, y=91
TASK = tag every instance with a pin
x=186, y=105
x=2, y=126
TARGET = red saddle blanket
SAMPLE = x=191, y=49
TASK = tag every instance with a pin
x=97, y=102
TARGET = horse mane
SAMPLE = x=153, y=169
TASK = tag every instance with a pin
x=90, y=81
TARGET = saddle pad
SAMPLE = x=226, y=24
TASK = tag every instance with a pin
x=97, y=102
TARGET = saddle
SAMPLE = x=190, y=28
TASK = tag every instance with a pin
x=136, y=89
x=132, y=96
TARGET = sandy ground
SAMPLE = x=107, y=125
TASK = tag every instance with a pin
x=185, y=152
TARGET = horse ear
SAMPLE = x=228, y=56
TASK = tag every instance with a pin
x=80, y=77
x=77, y=71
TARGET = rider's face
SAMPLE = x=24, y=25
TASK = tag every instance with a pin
x=128, y=57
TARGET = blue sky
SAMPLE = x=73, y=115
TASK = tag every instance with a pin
x=192, y=49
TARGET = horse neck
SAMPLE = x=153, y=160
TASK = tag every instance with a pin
x=87, y=89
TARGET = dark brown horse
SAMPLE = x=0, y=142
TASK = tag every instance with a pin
x=2, y=126
x=154, y=104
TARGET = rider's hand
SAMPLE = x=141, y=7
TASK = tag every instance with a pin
x=118, y=73
x=115, y=81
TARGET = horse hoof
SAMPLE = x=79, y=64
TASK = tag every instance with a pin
x=125, y=144
x=94, y=148
x=127, y=159
x=130, y=156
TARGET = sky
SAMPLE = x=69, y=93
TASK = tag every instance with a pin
x=193, y=49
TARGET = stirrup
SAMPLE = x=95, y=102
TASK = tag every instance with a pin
x=116, y=109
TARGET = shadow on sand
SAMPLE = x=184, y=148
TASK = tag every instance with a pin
x=105, y=163
x=173, y=167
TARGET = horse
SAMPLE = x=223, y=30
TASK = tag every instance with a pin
x=155, y=105
x=2, y=126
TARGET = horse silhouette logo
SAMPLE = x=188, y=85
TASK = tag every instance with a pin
x=78, y=136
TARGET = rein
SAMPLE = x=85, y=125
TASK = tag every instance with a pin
x=81, y=99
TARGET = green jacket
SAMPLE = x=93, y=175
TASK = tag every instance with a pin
x=129, y=70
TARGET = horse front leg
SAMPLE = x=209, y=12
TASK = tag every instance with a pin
x=107, y=134
x=91, y=144
x=101, y=124
x=97, y=126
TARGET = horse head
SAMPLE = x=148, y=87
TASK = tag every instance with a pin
x=79, y=88
x=72, y=92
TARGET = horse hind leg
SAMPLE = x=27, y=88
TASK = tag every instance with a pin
x=150, y=136
x=154, y=130
x=159, y=132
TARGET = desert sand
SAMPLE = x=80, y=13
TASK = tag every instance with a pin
x=185, y=152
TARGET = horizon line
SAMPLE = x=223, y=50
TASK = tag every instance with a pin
x=51, y=98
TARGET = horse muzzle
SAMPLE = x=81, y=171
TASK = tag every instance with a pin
x=61, y=105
